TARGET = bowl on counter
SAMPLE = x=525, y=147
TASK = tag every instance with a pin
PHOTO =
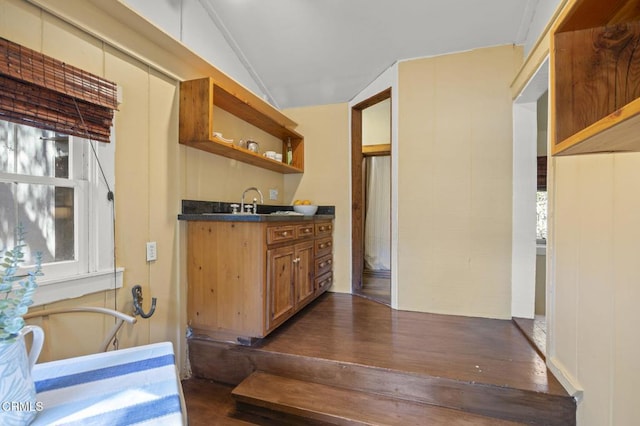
x=307, y=210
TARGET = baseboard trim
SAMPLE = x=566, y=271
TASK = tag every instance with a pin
x=570, y=383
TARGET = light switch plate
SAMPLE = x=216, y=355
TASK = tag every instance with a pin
x=273, y=194
x=152, y=251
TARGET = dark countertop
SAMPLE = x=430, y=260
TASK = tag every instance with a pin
x=228, y=217
x=220, y=211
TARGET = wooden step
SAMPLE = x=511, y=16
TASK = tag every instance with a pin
x=340, y=406
x=231, y=364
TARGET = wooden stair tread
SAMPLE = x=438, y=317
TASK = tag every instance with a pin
x=342, y=406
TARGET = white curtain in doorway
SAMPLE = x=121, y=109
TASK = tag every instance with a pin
x=377, y=230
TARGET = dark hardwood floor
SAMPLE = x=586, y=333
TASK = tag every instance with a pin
x=211, y=403
x=480, y=366
x=535, y=330
x=376, y=286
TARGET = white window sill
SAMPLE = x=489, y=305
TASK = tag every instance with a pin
x=55, y=290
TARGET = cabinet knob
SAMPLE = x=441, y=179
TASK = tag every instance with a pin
x=322, y=228
x=296, y=260
x=284, y=233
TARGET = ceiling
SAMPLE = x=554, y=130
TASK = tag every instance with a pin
x=313, y=52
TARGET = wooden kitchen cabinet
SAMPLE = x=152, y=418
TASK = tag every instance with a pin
x=280, y=285
x=196, y=124
x=247, y=278
x=290, y=281
x=595, y=77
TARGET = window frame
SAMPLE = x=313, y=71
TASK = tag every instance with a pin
x=93, y=268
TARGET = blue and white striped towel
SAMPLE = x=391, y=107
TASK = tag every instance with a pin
x=137, y=385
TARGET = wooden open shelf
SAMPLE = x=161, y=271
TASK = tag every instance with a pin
x=216, y=146
x=595, y=77
x=197, y=99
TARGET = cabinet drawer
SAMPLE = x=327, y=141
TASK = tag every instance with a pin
x=276, y=234
x=323, y=265
x=323, y=246
x=324, y=229
x=324, y=282
x=304, y=231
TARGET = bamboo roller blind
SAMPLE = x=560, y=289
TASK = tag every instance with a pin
x=43, y=92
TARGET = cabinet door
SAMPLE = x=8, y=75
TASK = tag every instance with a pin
x=304, y=282
x=280, y=290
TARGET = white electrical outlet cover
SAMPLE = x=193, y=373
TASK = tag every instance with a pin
x=152, y=251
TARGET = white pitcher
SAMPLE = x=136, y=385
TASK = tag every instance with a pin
x=18, y=404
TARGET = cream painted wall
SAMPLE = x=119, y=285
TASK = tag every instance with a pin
x=376, y=124
x=326, y=176
x=595, y=275
x=454, y=208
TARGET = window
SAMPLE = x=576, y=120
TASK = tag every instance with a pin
x=46, y=185
x=43, y=187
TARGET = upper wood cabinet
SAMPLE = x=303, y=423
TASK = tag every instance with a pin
x=197, y=100
x=595, y=77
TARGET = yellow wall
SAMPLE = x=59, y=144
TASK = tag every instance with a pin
x=376, y=124
x=454, y=180
x=596, y=241
x=326, y=176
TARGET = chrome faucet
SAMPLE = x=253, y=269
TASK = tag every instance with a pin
x=255, y=200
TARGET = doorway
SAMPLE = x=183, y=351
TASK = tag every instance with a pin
x=530, y=153
x=371, y=197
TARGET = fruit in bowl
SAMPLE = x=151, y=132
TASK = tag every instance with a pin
x=302, y=203
x=306, y=209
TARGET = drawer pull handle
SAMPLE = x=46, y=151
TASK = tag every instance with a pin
x=307, y=230
x=322, y=228
x=284, y=233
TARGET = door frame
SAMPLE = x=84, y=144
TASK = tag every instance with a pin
x=523, y=244
x=357, y=185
